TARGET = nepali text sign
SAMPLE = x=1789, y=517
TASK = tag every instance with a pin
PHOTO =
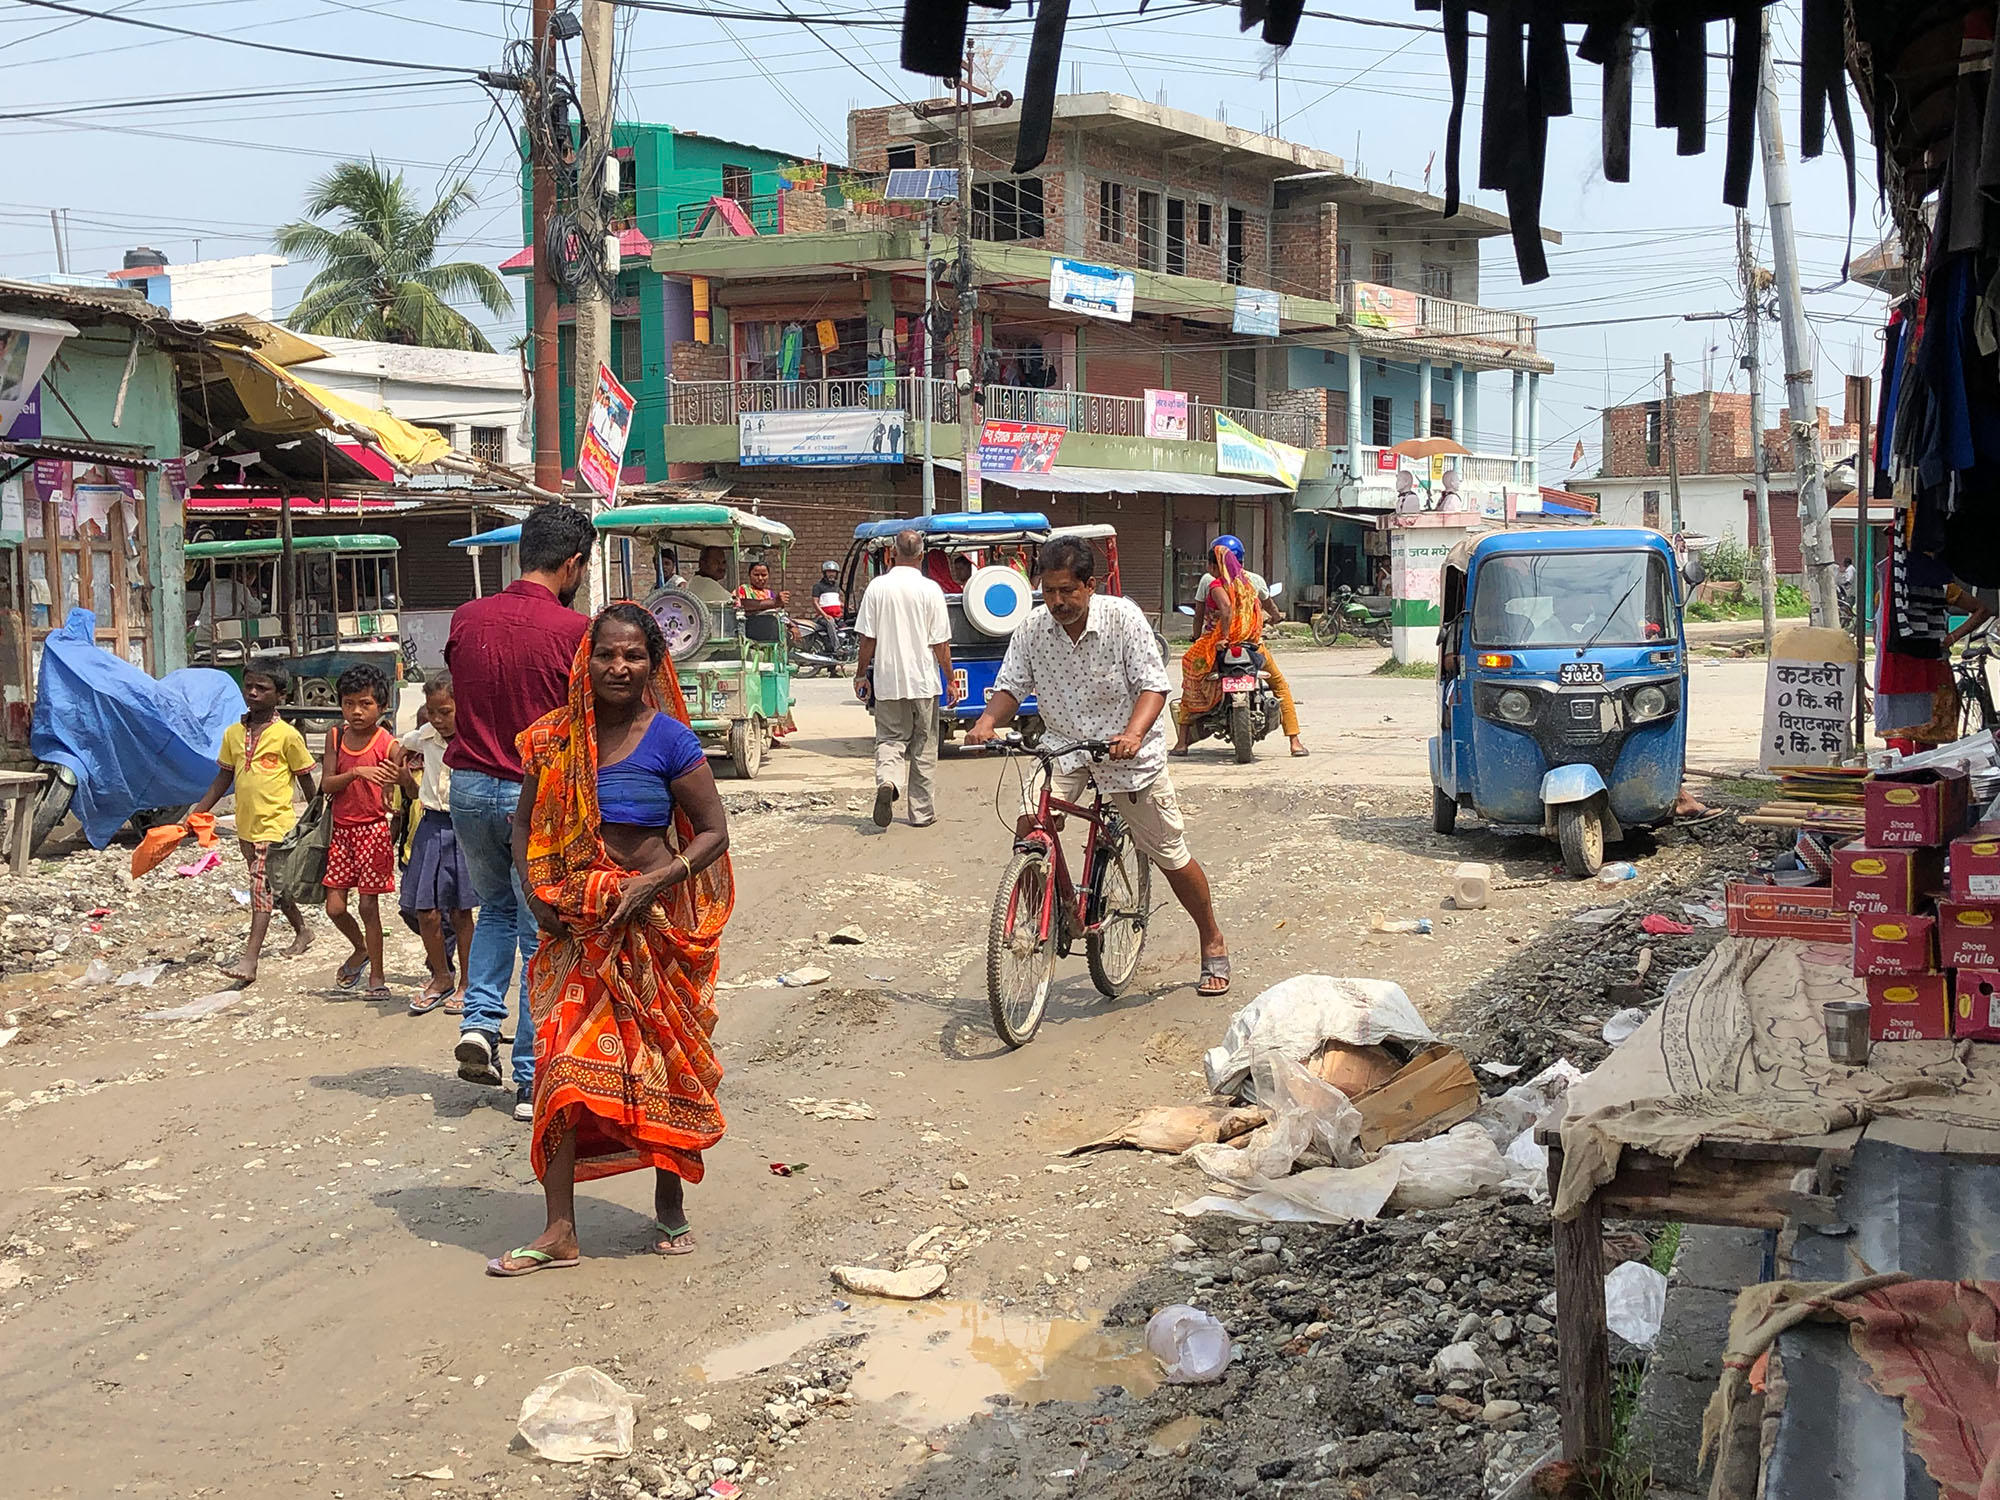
x=1808, y=698
x=1167, y=415
x=1018, y=448
x=1238, y=450
x=1095, y=291
x=602, y=457
x=820, y=438
x=1256, y=312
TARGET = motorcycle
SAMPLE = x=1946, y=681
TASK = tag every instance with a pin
x=1246, y=709
x=824, y=644
x=1349, y=614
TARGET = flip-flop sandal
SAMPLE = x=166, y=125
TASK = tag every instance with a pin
x=454, y=1006
x=1213, y=968
x=1301, y=752
x=679, y=1241
x=423, y=1003
x=378, y=992
x=1706, y=815
x=346, y=978
x=539, y=1260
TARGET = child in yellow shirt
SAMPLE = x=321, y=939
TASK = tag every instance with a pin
x=262, y=758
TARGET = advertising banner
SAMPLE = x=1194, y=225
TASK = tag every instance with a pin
x=1238, y=450
x=1384, y=307
x=1167, y=415
x=1018, y=448
x=603, y=454
x=1095, y=291
x=1256, y=312
x=820, y=438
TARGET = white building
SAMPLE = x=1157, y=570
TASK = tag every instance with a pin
x=204, y=291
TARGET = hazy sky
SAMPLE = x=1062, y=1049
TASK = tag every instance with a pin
x=214, y=178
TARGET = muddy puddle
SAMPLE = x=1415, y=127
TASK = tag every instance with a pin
x=935, y=1363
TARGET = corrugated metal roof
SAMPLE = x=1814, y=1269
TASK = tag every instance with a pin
x=1070, y=480
x=1933, y=1215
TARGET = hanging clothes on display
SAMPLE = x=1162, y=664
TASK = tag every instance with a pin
x=791, y=351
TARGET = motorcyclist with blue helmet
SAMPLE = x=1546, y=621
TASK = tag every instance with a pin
x=1213, y=597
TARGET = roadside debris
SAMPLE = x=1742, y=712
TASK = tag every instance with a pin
x=1471, y=883
x=911, y=1284
x=799, y=979
x=849, y=934
x=1660, y=926
x=833, y=1109
x=578, y=1415
x=1417, y=926
x=1635, y=1303
x=1620, y=1027
x=194, y=1010
x=1191, y=1345
x=1173, y=1128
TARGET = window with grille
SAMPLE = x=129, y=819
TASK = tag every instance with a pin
x=1652, y=433
x=1111, y=212
x=1382, y=267
x=1149, y=230
x=1235, y=252
x=1382, y=423
x=1436, y=279
x=1440, y=422
x=1343, y=262
x=631, y=364
x=1177, y=236
x=490, y=444
x=736, y=183
x=1204, y=224
x=1009, y=209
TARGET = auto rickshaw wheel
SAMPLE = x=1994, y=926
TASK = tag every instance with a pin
x=318, y=692
x=1580, y=831
x=746, y=748
x=1444, y=812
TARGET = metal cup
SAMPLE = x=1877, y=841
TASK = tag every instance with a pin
x=1846, y=1031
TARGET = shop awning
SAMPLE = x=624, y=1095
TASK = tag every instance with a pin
x=1069, y=480
x=278, y=401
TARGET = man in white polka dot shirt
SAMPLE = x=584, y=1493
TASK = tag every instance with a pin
x=1092, y=663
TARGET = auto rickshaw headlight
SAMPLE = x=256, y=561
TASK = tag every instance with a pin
x=1516, y=706
x=1649, y=703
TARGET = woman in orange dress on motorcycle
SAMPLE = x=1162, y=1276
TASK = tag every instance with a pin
x=1235, y=615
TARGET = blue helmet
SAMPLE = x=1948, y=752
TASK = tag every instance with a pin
x=1233, y=543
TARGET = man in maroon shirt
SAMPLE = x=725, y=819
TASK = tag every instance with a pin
x=510, y=656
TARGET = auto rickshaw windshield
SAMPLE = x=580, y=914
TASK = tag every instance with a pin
x=1557, y=599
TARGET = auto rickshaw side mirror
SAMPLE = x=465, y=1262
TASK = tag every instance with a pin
x=1693, y=572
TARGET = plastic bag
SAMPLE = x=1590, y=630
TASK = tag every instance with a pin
x=1310, y=1119
x=1461, y=1163
x=1635, y=1303
x=1320, y=1195
x=1618, y=1030
x=1527, y=1104
x=579, y=1415
x=1527, y=1167
x=1190, y=1343
x=1297, y=1016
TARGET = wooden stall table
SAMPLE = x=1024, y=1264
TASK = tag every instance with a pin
x=19, y=789
x=1710, y=1113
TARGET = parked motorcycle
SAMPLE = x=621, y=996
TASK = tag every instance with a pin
x=1348, y=613
x=1246, y=709
x=823, y=644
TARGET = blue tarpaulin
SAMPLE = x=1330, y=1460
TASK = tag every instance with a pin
x=132, y=741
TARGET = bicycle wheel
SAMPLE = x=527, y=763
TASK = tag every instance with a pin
x=1121, y=895
x=1975, y=704
x=1019, y=961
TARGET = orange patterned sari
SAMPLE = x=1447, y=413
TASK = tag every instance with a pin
x=623, y=1015
x=1241, y=619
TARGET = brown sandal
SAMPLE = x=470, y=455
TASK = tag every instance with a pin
x=1216, y=967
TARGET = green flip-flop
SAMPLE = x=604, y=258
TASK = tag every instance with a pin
x=680, y=1241
x=540, y=1260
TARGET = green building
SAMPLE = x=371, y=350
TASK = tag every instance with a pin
x=668, y=179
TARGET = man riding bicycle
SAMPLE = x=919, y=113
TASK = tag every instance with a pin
x=1093, y=666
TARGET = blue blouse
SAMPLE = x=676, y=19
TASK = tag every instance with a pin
x=637, y=790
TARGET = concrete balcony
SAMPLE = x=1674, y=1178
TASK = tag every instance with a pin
x=1435, y=317
x=1481, y=476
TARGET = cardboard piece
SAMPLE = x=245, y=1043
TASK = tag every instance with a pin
x=1969, y=935
x=1894, y=945
x=1808, y=913
x=1808, y=698
x=1975, y=1010
x=1975, y=864
x=1909, y=1008
x=1870, y=881
x=1432, y=1092
x=1915, y=809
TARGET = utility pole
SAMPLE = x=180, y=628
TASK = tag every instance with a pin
x=1861, y=401
x=968, y=300
x=594, y=196
x=542, y=335
x=1673, y=453
x=924, y=393
x=1815, y=532
x=62, y=253
x=1753, y=317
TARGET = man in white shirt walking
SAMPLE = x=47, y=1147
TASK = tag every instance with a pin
x=1093, y=665
x=903, y=634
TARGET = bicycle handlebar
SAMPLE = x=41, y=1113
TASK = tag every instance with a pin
x=1014, y=745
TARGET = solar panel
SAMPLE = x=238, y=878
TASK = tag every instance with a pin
x=923, y=184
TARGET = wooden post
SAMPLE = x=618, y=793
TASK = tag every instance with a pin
x=1583, y=1342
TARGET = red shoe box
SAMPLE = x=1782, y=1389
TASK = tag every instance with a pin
x=1894, y=945
x=1787, y=911
x=1969, y=935
x=1909, y=1008
x=1915, y=809
x=1975, y=1010
x=1975, y=864
x=1871, y=882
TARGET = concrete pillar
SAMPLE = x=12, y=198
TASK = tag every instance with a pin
x=1357, y=409
x=1515, y=433
x=1423, y=398
x=1534, y=476
x=1458, y=402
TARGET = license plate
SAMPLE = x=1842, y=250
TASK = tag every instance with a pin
x=1577, y=673
x=718, y=701
x=1583, y=710
x=1239, y=684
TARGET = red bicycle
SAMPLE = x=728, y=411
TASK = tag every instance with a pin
x=1040, y=912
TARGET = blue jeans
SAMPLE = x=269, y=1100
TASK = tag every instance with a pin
x=482, y=816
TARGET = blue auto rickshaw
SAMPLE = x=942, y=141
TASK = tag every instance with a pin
x=1562, y=686
x=983, y=561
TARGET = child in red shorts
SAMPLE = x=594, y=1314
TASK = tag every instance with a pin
x=362, y=762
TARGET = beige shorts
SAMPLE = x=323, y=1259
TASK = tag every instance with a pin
x=1152, y=814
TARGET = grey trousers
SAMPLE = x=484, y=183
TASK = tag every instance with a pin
x=906, y=735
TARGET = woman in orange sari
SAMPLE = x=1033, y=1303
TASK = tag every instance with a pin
x=1229, y=613
x=621, y=843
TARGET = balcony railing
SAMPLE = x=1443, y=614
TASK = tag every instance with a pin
x=1465, y=320
x=1477, y=470
x=718, y=403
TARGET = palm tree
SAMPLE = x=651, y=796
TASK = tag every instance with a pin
x=377, y=247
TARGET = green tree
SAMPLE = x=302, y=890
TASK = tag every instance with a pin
x=377, y=247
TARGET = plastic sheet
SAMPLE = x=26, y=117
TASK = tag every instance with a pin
x=1462, y=1163
x=1297, y=1016
x=1635, y=1303
x=1319, y=1195
x=579, y=1415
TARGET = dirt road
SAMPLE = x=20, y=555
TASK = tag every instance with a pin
x=242, y=1254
